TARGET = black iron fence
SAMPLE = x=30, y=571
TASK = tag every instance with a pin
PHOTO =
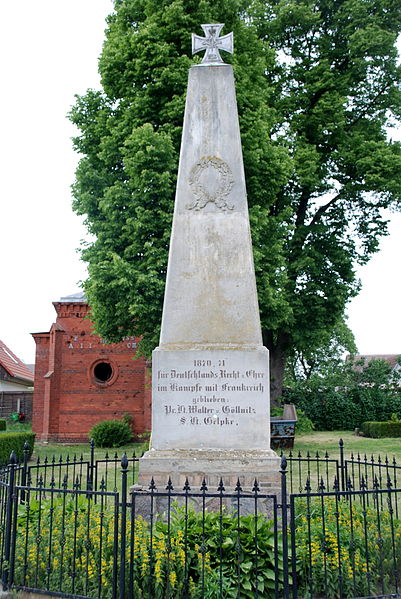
x=92, y=473
x=76, y=528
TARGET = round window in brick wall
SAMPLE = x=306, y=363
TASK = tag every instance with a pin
x=103, y=372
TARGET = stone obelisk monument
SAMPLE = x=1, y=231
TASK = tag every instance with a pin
x=210, y=387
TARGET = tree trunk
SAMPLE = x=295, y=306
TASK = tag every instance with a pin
x=278, y=356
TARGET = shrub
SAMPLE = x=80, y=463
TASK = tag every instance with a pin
x=345, y=407
x=144, y=438
x=222, y=534
x=377, y=430
x=10, y=442
x=351, y=394
x=128, y=418
x=339, y=540
x=3, y=425
x=304, y=424
x=182, y=558
x=110, y=433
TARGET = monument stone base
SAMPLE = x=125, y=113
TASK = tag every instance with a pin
x=211, y=466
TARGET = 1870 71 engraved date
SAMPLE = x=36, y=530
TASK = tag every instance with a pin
x=200, y=363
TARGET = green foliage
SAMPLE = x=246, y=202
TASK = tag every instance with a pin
x=378, y=430
x=234, y=546
x=65, y=535
x=74, y=535
x=128, y=418
x=335, y=538
x=10, y=442
x=342, y=540
x=3, y=425
x=144, y=438
x=348, y=396
x=323, y=360
x=304, y=424
x=111, y=433
x=317, y=87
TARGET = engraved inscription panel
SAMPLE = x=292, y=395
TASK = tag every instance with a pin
x=216, y=399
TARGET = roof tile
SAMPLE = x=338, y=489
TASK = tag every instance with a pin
x=14, y=366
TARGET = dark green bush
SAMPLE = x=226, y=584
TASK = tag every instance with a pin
x=343, y=408
x=111, y=433
x=3, y=425
x=390, y=428
x=352, y=393
x=15, y=442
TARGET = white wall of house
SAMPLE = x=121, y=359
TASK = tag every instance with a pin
x=9, y=386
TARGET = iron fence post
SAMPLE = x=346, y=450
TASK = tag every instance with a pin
x=8, y=524
x=91, y=465
x=284, y=520
x=342, y=473
x=123, y=535
x=24, y=470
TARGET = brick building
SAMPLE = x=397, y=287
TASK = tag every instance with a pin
x=80, y=380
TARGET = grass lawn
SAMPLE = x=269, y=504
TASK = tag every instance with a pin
x=68, y=452
x=320, y=442
x=323, y=441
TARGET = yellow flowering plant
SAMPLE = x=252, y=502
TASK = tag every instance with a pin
x=69, y=544
x=345, y=548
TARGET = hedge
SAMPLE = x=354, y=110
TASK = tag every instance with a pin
x=342, y=408
x=3, y=425
x=15, y=442
x=381, y=429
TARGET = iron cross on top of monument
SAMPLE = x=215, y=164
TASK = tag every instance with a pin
x=212, y=43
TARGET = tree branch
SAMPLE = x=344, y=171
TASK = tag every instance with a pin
x=371, y=103
x=323, y=209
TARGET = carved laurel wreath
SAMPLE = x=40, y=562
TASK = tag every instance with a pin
x=202, y=195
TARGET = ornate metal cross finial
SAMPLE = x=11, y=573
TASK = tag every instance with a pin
x=212, y=43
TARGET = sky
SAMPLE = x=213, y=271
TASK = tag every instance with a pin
x=49, y=51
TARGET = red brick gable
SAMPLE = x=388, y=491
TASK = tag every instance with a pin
x=81, y=380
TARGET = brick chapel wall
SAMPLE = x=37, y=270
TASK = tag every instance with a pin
x=68, y=396
x=41, y=368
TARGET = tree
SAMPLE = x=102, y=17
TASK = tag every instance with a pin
x=344, y=397
x=322, y=361
x=317, y=85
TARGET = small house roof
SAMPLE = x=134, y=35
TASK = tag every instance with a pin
x=13, y=365
x=75, y=297
x=391, y=359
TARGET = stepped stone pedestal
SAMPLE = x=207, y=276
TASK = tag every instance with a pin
x=210, y=381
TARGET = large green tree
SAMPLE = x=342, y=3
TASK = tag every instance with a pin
x=321, y=361
x=317, y=87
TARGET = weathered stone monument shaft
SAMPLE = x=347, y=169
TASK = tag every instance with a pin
x=210, y=407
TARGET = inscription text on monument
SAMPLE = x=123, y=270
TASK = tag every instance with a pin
x=198, y=393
